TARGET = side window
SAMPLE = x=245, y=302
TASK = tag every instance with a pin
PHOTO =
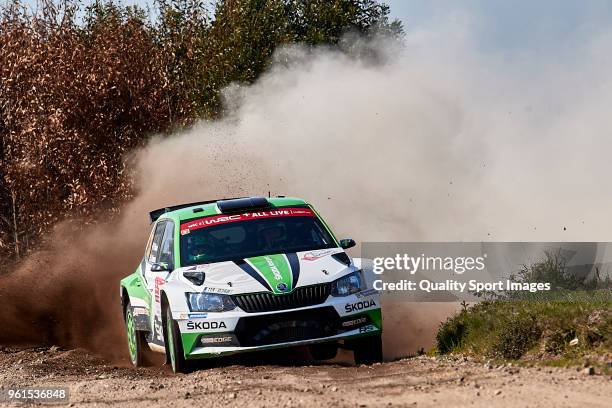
x=156, y=243
x=149, y=241
x=167, y=246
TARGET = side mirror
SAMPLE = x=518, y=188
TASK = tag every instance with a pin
x=347, y=243
x=160, y=267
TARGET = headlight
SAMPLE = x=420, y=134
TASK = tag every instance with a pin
x=209, y=302
x=347, y=285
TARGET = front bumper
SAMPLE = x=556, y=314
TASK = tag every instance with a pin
x=338, y=318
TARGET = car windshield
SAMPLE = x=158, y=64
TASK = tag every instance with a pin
x=231, y=237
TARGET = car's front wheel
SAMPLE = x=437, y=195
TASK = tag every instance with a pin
x=134, y=338
x=174, y=345
x=367, y=350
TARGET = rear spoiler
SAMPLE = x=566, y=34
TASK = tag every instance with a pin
x=226, y=205
x=155, y=214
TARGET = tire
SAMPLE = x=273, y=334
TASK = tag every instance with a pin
x=367, y=350
x=134, y=338
x=323, y=351
x=174, y=345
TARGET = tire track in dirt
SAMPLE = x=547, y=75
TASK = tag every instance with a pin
x=418, y=381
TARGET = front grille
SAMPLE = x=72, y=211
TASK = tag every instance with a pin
x=285, y=327
x=266, y=302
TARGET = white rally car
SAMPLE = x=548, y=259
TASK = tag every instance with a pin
x=237, y=275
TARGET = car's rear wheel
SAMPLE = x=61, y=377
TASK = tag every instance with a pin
x=134, y=338
x=323, y=351
x=367, y=350
x=174, y=345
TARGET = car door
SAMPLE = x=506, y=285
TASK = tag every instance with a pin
x=160, y=253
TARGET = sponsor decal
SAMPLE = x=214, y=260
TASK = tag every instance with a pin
x=354, y=322
x=158, y=282
x=198, y=315
x=212, y=340
x=273, y=270
x=192, y=225
x=364, y=304
x=367, y=329
x=366, y=293
x=139, y=311
x=217, y=290
x=157, y=329
x=205, y=325
x=314, y=255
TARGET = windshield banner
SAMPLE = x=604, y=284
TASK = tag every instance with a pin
x=192, y=225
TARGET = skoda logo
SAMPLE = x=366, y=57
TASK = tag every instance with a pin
x=281, y=286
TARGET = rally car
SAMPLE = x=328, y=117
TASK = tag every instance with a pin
x=236, y=275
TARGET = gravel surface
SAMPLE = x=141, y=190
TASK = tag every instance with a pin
x=264, y=381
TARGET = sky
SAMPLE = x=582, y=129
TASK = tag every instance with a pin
x=503, y=25
x=543, y=25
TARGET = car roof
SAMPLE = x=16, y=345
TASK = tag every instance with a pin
x=210, y=208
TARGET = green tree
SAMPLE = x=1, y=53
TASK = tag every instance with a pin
x=326, y=21
x=181, y=32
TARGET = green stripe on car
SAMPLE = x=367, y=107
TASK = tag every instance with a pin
x=275, y=269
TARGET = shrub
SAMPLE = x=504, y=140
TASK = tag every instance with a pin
x=451, y=333
x=515, y=337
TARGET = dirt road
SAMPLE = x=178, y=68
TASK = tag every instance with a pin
x=419, y=381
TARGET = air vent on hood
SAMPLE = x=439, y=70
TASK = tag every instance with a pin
x=243, y=204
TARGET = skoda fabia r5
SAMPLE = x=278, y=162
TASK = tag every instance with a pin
x=247, y=274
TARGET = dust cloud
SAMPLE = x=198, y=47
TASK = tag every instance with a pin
x=440, y=141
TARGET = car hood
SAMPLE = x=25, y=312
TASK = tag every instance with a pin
x=277, y=273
